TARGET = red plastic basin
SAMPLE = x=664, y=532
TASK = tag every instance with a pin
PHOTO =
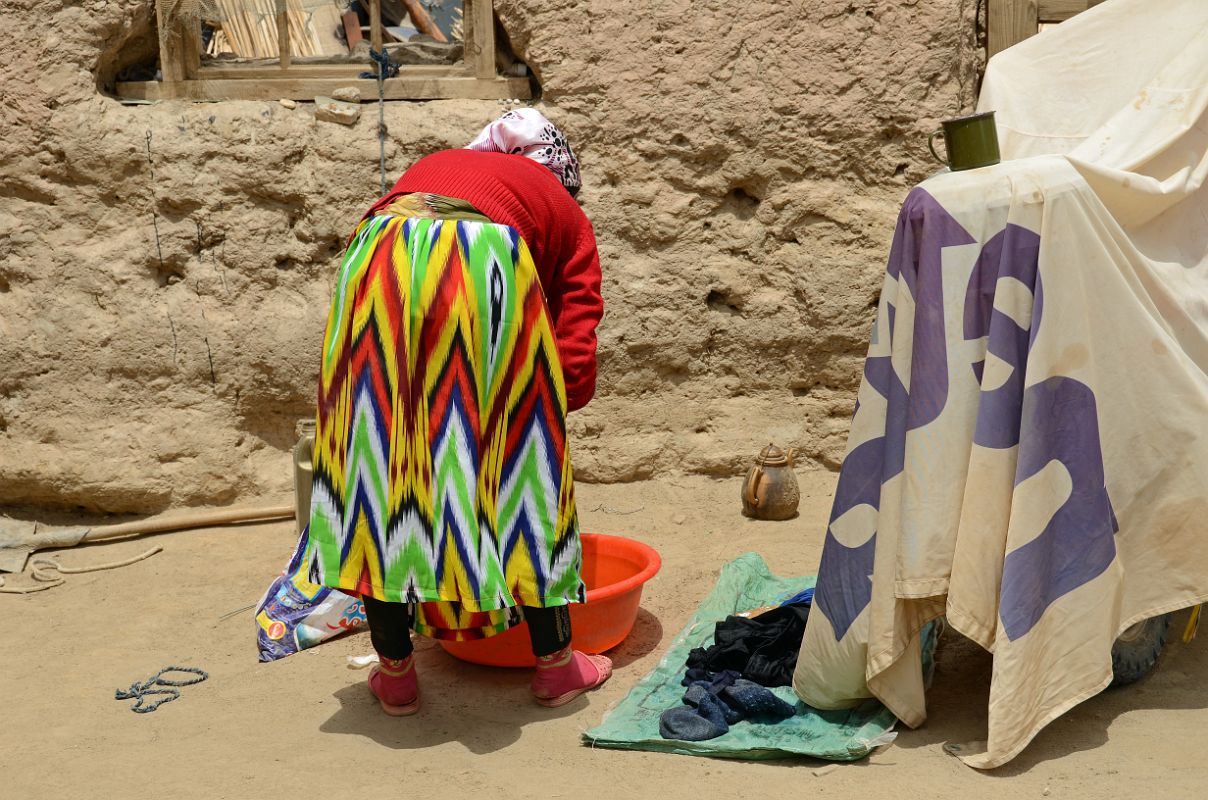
x=614, y=569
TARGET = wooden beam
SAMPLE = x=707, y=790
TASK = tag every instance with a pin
x=191, y=57
x=283, y=51
x=423, y=21
x=352, y=29
x=1009, y=22
x=1061, y=10
x=467, y=34
x=400, y=88
x=375, y=24
x=171, y=52
x=481, y=19
x=342, y=72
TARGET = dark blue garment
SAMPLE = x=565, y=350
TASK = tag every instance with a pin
x=727, y=681
x=715, y=701
x=805, y=596
x=715, y=681
x=755, y=702
x=685, y=724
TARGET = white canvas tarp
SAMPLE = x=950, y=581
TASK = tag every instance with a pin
x=1029, y=456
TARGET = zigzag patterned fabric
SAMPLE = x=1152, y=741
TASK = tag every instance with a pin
x=441, y=471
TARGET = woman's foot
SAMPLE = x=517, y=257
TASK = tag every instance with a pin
x=395, y=685
x=566, y=674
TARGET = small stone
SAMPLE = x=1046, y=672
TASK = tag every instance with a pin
x=1045, y=793
x=829, y=768
x=290, y=104
x=349, y=94
x=679, y=519
x=328, y=109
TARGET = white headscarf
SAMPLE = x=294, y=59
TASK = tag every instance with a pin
x=526, y=132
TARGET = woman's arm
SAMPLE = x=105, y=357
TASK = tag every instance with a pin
x=576, y=306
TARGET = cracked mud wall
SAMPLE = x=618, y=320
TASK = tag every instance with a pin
x=165, y=270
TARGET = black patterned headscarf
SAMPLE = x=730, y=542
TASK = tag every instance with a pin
x=526, y=132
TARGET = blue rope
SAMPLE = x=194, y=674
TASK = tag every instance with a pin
x=385, y=69
x=139, y=691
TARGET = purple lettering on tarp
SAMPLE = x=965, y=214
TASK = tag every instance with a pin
x=1014, y=252
x=1060, y=423
x=1037, y=311
x=881, y=375
x=1053, y=420
x=845, y=573
x=924, y=229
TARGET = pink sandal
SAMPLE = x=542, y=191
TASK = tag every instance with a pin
x=395, y=685
x=565, y=675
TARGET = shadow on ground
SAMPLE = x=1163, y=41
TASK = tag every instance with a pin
x=957, y=702
x=482, y=708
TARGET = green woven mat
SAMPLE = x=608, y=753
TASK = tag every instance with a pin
x=745, y=583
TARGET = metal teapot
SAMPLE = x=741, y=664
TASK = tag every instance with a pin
x=771, y=490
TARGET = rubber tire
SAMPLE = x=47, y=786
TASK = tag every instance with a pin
x=1136, y=652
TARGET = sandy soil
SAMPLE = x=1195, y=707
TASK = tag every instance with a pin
x=307, y=726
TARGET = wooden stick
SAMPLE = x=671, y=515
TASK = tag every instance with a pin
x=241, y=41
x=171, y=65
x=255, y=20
x=191, y=46
x=455, y=86
x=308, y=71
x=375, y=24
x=352, y=29
x=283, y=43
x=251, y=45
x=230, y=27
x=248, y=29
x=268, y=38
x=191, y=521
x=423, y=22
x=302, y=32
x=484, y=38
x=298, y=45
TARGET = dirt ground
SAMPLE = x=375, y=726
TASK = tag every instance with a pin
x=307, y=726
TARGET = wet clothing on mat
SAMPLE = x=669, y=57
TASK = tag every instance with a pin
x=762, y=649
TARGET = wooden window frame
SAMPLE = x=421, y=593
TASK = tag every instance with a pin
x=1009, y=22
x=184, y=77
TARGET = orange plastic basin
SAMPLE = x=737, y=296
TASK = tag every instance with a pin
x=614, y=569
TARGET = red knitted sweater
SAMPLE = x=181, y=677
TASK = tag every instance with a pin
x=516, y=191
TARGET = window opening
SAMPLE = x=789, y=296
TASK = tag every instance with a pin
x=299, y=49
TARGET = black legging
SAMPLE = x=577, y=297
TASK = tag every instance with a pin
x=390, y=628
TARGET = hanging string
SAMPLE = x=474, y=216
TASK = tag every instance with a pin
x=385, y=69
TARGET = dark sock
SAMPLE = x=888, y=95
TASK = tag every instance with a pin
x=697, y=694
x=756, y=702
x=713, y=681
x=549, y=629
x=686, y=724
x=717, y=701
